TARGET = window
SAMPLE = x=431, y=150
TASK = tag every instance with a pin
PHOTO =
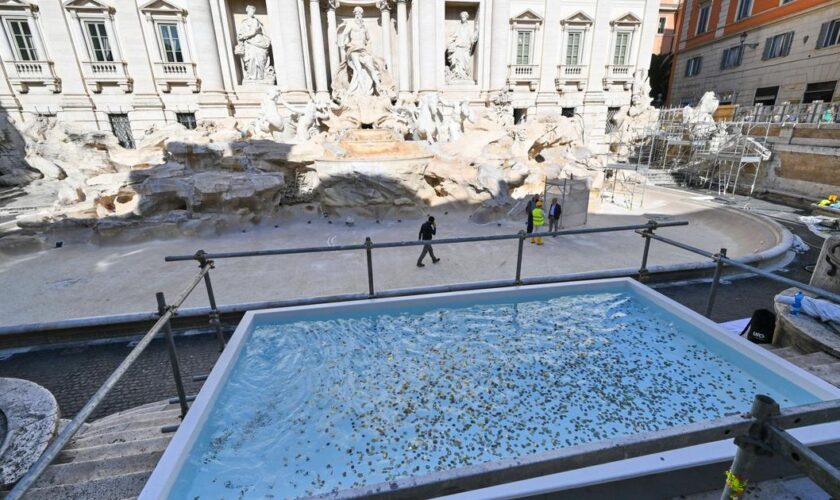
x=732, y=57
x=22, y=37
x=744, y=9
x=829, y=34
x=766, y=95
x=121, y=128
x=610, y=125
x=622, y=48
x=703, y=17
x=568, y=112
x=573, y=46
x=100, y=48
x=186, y=119
x=823, y=91
x=777, y=46
x=661, y=28
x=692, y=66
x=170, y=42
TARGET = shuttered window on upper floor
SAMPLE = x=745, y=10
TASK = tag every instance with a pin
x=777, y=46
x=732, y=57
x=829, y=34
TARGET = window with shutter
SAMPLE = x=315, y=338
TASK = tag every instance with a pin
x=703, y=17
x=829, y=34
x=692, y=66
x=778, y=46
x=732, y=57
x=744, y=9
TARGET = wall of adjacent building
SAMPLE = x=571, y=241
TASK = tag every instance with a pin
x=804, y=64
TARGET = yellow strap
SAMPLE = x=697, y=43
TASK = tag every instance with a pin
x=736, y=484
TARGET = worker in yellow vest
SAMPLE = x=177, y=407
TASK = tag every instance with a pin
x=539, y=220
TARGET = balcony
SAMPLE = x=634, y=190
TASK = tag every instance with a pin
x=23, y=74
x=571, y=75
x=168, y=74
x=524, y=73
x=98, y=73
x=619, y=73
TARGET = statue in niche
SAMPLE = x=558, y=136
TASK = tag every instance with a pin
x=361, y=73
x=459, y=51
x=252, y=48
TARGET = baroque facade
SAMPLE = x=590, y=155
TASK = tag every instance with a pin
x=126, y=65
x=758, y=51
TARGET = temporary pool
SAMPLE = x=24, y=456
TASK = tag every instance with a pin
x=318, y=399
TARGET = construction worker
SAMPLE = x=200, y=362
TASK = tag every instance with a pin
x=539, y=220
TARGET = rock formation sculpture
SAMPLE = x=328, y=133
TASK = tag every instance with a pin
x=252, y=48
x=459, y=51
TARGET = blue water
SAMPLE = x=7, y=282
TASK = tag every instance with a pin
x=318, y=405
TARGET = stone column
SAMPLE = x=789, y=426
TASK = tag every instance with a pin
x=318, y=57
x=385, y=10
x=402, y=42
x=213, y=101
x=428, y=34
x=500, y=44
x=332, y=35
x=291, y=45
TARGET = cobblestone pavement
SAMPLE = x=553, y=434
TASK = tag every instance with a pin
x=74, y=374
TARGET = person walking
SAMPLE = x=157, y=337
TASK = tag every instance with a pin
x=539, y=220
x=427, y=231
x=529, y=211
x=554, y=212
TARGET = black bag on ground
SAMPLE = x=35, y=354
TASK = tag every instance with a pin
x=761, y=327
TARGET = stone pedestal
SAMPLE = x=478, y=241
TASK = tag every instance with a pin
x=828, y=262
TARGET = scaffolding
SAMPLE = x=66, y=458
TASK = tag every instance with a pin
x=725, y=156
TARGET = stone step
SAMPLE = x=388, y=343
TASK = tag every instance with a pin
x=168, y=417
x=788, y=352
x=94, y=470
x=830, y=373
x=813, y=359
x=147, y=408
x=107, y=488
x=107, y=451
x=121, y=436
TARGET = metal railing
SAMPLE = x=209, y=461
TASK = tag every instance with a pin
x=70, y=430
x=475, y=477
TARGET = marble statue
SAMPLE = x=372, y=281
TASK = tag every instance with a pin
x=269, y=120
x=700, y=120
x=252, y=48
x=633, y=121
x=307, y=120
x=429, y=126
x=459, y=51
x=361, y=71
x=502, y=106
x=457, y=120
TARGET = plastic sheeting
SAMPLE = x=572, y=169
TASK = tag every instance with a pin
x=816, y=308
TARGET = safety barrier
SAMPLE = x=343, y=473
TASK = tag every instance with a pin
x=765, y=421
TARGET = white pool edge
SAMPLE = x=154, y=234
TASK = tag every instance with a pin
x=166, y=472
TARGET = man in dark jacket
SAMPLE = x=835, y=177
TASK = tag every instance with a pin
x=554, y=216
x=427, y=231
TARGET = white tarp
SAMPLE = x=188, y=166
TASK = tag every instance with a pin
x=816, y=308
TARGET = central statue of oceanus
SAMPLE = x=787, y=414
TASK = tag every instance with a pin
x=361, y=73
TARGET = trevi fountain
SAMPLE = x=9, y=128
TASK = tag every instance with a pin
x=363, y=150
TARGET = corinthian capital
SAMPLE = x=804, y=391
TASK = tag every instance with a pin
x=333, y=4
x=383, y=4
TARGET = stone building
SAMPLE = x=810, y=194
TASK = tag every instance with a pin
x=758, y=51
x=126, y=65
x=666, y=27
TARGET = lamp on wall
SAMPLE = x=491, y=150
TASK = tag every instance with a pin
x=744, y=40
